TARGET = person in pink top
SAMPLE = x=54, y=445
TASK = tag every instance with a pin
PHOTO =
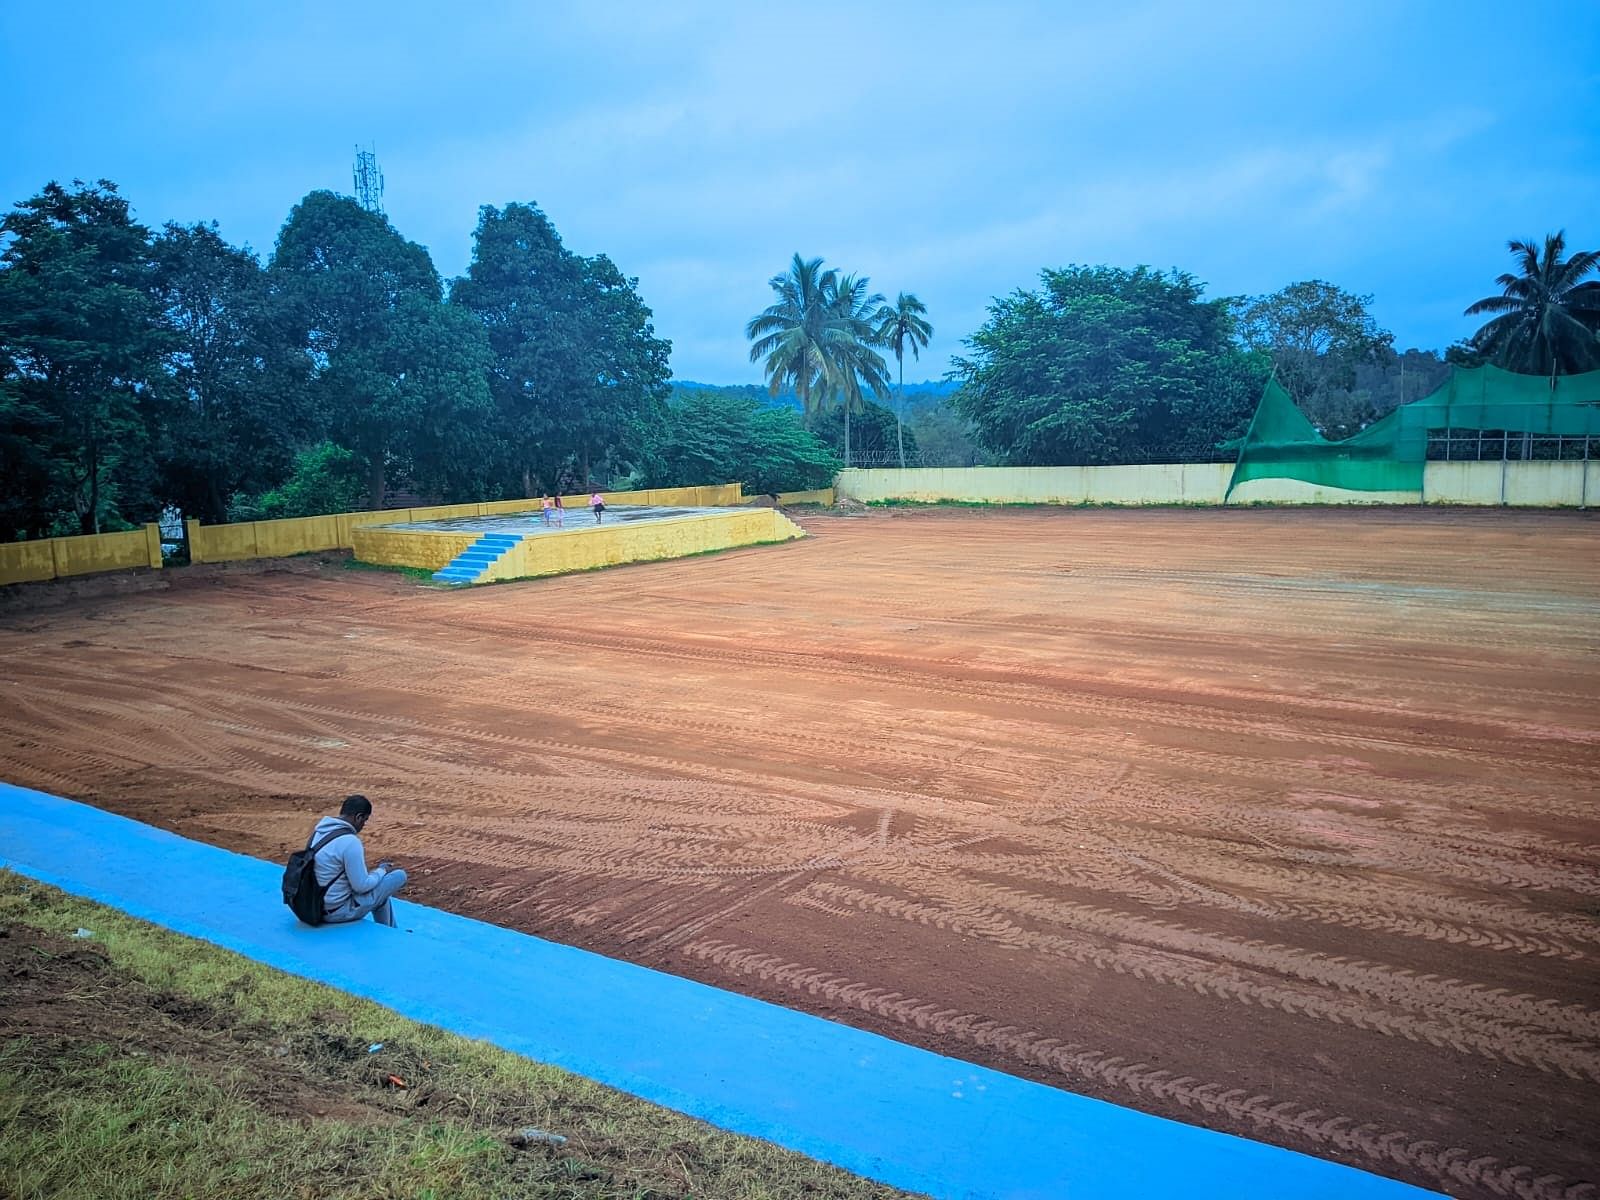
x=560, y=514
x=598, y=503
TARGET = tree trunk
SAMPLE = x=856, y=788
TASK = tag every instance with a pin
x=219, y=506
x=527, y=482
x=375, y=482
x=899, y=408
x=847, y=433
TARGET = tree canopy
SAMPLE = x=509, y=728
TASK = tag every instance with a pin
x=576, y=371
x=81, y=344
x=1316, y=336
x=712, y=435
x=1546, y=321
x=1106, y=365
x=395, y=376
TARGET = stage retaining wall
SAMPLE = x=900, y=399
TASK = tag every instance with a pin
x=304, y=535
x=581, y=549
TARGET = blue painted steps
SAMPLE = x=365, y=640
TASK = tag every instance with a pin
x=473, y=563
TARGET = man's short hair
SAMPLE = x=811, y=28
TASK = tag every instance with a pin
x=356, y=806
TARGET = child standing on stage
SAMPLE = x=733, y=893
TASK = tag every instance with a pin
x=544, y=511
x=598, y=503
x=560, y=514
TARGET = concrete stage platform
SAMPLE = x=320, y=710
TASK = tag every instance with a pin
x=883, y=1109
x=520, y=545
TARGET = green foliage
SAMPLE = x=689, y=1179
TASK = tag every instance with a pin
x=325, y=479
x=395, y=376
x=1547, y=319
x=238, y=383
x=821, y=337
x=1317, y=336
x=576, y=371
x=876, y=435
x=903, y=328
x=944, y=438
x=714, y=436
x=1104, y=365
x=81, y=339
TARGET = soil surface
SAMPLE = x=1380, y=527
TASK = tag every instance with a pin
x=1281, y=822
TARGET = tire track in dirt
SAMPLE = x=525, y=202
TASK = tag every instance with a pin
x=974, y=901
x=1463, y=1032
x=1368, y=1144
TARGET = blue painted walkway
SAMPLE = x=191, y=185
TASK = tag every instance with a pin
x=892, y=1112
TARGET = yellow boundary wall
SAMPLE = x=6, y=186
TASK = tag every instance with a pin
x=303, y=535
x=823, y=496
x=55, y=558
x=89, y=554
x=583, y=548
x=1526, y=484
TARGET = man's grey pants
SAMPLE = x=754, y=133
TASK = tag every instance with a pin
x=376, y=902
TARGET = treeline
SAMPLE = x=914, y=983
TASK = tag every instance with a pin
x=1104, y=365
x=143, y=370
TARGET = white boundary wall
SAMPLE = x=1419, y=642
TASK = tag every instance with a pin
x=1523, y=484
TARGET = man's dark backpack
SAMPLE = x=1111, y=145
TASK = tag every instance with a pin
x=301, y=891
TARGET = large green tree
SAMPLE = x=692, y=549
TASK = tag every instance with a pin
x=903, y=327
x=396, y=376
x=81, y=340
x=239, y=384
x=1317, y=335
x=1106, y=365
x=1546, y=321
x=577, y=374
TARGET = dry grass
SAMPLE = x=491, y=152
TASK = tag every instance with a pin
x=140, y=1063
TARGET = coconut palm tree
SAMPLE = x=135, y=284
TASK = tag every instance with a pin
x=850, y=348
x=901, y=327
x=790, y=333
x=1547, y=321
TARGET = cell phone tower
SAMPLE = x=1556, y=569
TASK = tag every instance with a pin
x=369, y=181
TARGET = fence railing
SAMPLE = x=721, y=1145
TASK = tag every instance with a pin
x=1500, y=445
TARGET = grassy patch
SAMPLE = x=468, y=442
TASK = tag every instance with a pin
x=140, y=1063
x=421, y=574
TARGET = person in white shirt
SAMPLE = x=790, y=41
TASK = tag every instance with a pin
x=352, y=890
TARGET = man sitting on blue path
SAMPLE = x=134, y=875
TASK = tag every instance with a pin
x=352, y=890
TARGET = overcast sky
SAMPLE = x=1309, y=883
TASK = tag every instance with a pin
x=951, y=151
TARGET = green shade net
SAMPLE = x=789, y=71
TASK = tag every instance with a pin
x=1389, y=455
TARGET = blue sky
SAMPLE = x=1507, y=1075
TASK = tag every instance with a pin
x=950, y=151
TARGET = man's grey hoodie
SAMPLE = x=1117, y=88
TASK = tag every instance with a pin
x=342, y=864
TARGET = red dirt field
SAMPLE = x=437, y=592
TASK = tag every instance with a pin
x=1279, y=822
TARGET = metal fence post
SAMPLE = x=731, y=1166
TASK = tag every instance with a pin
x=1505, y=459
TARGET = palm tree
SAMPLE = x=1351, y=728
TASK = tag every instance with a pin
x=790, y=333
x=819, y=336
x=850, y=352
x=1546, y=320
x=898, y=328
